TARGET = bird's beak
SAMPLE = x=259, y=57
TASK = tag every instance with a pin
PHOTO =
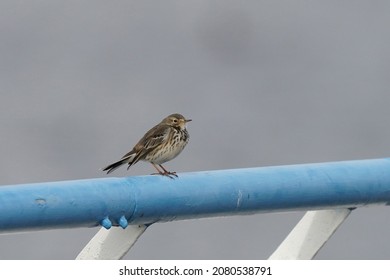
x=189, y=120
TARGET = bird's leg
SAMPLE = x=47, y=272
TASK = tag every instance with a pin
x=164, y=173
x=168, y=172
x=158, y=170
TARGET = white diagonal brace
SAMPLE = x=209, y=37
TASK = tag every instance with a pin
x=111, y=244
x=310, y=234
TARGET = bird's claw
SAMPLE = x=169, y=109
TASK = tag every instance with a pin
x=171, y=175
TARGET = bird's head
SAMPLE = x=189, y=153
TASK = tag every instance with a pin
x=176, y=120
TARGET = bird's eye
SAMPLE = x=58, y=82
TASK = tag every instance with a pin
x=175, y=120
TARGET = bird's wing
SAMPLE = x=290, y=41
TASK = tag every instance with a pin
x=152, y=139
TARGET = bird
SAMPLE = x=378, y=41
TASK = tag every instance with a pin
x=160, y=144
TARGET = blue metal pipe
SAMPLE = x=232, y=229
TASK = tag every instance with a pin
x=150, y=199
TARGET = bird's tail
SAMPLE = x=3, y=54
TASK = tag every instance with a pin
x=126, y=159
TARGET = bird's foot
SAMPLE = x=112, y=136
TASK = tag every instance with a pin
x=169, y=174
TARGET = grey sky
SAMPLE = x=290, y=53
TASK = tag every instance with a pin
x=265, y=82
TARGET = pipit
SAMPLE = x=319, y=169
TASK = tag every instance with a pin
x=162, y=143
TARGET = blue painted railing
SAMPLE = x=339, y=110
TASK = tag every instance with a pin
x=150, y=199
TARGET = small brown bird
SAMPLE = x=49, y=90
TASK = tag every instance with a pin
x=160, y=144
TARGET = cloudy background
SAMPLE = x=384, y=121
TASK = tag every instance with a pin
x=266, y=83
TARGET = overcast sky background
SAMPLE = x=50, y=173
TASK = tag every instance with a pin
x=265, y=82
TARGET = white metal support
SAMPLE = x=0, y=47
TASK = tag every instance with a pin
x=310, y=234
x=111, y=244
